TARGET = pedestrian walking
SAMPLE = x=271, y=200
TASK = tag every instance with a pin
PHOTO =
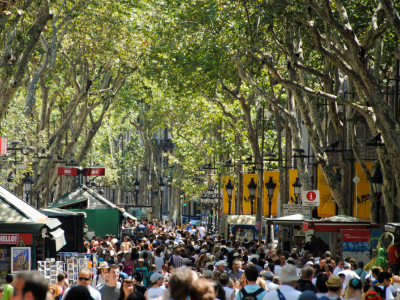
x=110, y=290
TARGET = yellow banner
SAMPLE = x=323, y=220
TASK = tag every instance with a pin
x=362, y=189
x=274, y=206
x=292, y=179
x=246, y=197
x=225, y=198
x=327, y=205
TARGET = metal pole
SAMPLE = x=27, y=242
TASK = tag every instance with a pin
x=189, y=210
x=260, y=207
x=252, y=205
x=230, y=205
x=161, y=201
x=269, y=217
x=215, y=214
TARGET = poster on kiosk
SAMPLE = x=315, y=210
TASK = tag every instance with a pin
x=355, y=243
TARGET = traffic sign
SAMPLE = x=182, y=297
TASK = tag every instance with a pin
x=310, y=198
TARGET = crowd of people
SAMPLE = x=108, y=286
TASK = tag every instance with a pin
x=162, y=261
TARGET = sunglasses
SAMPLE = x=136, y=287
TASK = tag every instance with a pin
x=83, y=279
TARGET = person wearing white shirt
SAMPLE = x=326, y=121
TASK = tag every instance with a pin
x=100, y=279
x=350, y=274
x=277, y=270
x=269, y=276
x=156, y=291
x=384, y=283
x=288, y=280
x=229, y=292
x=85, y=279
x=338, y=268
x=202, y=231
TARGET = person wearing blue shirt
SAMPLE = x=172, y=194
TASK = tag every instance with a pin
x=122, y=275
x=251, y=288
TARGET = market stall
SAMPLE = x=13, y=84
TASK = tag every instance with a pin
x=24, y=234
x=102, y=216
x=345, y=235
x=290, y=230
x=73, y=224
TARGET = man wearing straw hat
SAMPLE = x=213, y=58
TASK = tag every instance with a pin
x=335, y=286
x=288, y=280
x=99, y=280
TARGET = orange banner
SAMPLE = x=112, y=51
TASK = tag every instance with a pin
x=225, y=198
x=246, y=197
x=362, y=189
x=327, y=205
x=274, y=206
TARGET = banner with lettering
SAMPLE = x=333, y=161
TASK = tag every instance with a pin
x=225, y=198
x=355, y=243
x=361, y=203
x=292, y=179
x=274, y=205
x=327, y=205
x=246, y=196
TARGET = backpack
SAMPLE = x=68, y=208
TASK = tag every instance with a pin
x=171, y=262
x=362, y=278
x=384, y=293
x=251, y=296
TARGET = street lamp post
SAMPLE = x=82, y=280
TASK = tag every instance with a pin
x=252, y=186
x=270, y=185
x=27, y=186
x=297, y=189
x=161, y=185
x=136, y=186
x=229, y=190
x=93, y=184
x=37, y=199
x=114, y=188
x=216, y=205
x=377, y=183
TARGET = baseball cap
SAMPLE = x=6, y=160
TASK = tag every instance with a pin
x=309, y=263
x=236, y=254
x=221, y=263
x=224, y=276
x=186, y=261
x=156, y=276
x=208, y=274
x=268, y=274
x=203, y=251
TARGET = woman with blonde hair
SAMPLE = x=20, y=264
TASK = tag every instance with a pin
x=261, y=282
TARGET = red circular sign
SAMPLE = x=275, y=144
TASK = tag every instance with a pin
x=311, y=196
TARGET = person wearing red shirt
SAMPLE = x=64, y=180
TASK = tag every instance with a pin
x=394, y=257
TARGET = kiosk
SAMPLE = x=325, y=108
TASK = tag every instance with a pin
x=290, y=230
x=243, y=227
